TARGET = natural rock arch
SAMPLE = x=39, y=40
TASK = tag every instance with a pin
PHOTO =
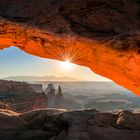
x=102, y=35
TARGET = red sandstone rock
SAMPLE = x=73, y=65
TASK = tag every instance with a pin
x=102, y=35
x=21, y=97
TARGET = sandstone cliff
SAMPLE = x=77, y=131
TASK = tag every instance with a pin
x=20, y=96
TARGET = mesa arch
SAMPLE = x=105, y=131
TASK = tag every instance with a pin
x=102, y=35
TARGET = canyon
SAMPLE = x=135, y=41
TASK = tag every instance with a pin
x=21, y=96
x=29, y=112
x=102, y=35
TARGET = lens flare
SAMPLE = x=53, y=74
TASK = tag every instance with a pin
x=66, y=64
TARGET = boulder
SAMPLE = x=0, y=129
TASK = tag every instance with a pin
x=11, y=122
x=126, y=119
x=103, y=120
x=47, y=119
x=53, y=124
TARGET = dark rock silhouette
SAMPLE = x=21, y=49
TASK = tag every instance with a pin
x=50, y=93
x=56, y=124
x=59, y=99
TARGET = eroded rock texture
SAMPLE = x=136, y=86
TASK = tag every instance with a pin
x=103, y=35
x=21, y=96
x=52, y=124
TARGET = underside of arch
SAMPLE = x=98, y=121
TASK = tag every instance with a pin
x=102, y=35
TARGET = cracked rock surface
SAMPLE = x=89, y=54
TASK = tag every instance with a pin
x=102, y=35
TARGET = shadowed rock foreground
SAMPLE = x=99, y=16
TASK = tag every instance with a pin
x=52, y=124
x=103, y=35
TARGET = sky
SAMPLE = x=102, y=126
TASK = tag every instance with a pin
x=14, y=62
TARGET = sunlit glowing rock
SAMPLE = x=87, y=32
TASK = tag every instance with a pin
x=102, y=35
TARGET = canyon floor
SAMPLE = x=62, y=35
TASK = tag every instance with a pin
x=58, y=124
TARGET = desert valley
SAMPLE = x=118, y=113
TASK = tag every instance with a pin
x=54, y=110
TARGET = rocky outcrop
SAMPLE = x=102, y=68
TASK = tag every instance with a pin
x=37, y=88
x=50, y=93
x=56, y=124
x=21, y=97
x=128, y=120
x=4, y=106
x=58, y=100
x=102, y=35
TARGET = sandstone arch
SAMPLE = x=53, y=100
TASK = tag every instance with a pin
x=103, y=35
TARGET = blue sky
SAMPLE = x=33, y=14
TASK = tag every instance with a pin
x=14, y=62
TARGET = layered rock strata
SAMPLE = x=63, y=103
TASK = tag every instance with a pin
x=21, y=97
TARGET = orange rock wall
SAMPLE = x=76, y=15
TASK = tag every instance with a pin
x=102, y=35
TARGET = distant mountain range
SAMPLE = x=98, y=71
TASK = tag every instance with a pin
x=40, y=78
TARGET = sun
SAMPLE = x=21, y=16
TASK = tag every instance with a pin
x=67, y=64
